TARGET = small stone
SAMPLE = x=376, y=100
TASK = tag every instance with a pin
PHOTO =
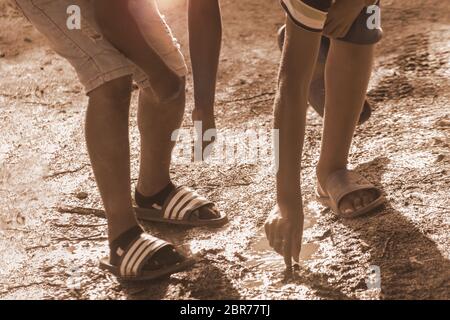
x=81, y=195
x=240, y=256
x=439, y=158
x=323, y=236
x=20, y=219
x=443, y=123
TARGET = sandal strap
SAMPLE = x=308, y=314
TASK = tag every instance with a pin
x=138, y=253
x=343, y=182
x=182, y=202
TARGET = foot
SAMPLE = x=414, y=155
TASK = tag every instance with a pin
x=351, y=202
x=157, y=200
x=207, y=121
x=166, y=256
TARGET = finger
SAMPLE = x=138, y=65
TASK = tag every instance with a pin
x=339, y=30
x=267, y=230
x=270, y=231
x=279, y=250
x=330, y=25
x=287, y=251
x=339, y=33
x=278, y=246
x=332, y=31
x=347, y=29
x=272, y=237
x=278, y=238
x=343, y=30
x=296, y=248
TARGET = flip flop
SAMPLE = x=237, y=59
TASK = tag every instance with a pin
x=317, y=88
x=342, y=183
x=181, y=208
x=137, y=254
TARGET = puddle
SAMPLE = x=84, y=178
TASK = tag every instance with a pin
x=267, y=259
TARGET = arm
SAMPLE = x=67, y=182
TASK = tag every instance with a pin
x=205, y=37
x=284, y=226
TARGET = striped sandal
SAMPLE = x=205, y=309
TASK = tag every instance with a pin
x=134, y=260
x=342, y=183
x=181, y=207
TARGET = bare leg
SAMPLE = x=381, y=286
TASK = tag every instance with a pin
x=205, y=37
x=108, y=146
x=120, y=27
x=159, y=115
x=157, y=122
x=347, y=75
x=317, y=88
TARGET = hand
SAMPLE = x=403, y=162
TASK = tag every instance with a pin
x=285, y=234
x=341, y=16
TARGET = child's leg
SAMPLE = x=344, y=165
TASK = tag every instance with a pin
x=205, y=38
x=157, y=118
x=348, y=71
x=147, y=41
x=106, y=75
x=144, y=37
x=108, y=147
x=358, y=34
x=157, y=122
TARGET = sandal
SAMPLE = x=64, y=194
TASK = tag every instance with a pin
x=342, y=183
x=181, y=208
x=137, y=255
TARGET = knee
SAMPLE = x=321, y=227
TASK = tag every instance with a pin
x=173, y=95
x=170, y=110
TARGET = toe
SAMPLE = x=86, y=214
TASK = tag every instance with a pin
x=166, y=256
x=367, y=198
x=357, y=201
x=346, y=206
x=208, y=213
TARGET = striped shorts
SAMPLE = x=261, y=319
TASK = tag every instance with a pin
x=311, y=15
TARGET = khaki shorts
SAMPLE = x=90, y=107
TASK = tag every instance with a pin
x=94, y=58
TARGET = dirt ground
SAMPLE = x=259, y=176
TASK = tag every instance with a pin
x=50, y=252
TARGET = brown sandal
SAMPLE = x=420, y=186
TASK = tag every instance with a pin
x=342, y=183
